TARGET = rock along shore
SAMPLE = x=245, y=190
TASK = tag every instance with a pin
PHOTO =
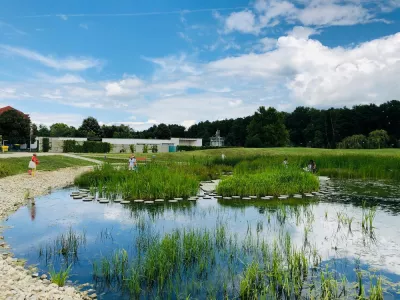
x=17, y=282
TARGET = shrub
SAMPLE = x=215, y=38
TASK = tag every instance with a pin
x=145, y=148
x=132, y=148
x=69, y=146
x=154, y=149
x=86, y=147
x=46, y=144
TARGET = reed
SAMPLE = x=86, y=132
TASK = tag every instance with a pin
x=59, y=277
x=272, y=181
x=149, y=182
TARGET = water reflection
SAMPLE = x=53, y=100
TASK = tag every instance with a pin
x=332, y=223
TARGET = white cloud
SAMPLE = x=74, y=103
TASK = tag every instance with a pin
x=69, y=63
x=8, y=28
x=64, y=79
x=84, y=26
x=268, y=43
x=243, y=21
x=51, y=118
x=269, y=13
x=297, y=71
x=302, y=32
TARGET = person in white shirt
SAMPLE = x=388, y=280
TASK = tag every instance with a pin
x=132, y=163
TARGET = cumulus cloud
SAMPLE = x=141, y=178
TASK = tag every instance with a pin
x=69, y=63
x=298, y=70
x=51, y=118
x=269, y=13
x=243, y=21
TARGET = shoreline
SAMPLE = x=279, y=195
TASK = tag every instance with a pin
x=16, y=281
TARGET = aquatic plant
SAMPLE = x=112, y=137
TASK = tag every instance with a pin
x=274, y=181
x=149, y=182
x=59, y=277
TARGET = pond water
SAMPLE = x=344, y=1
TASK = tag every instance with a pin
x=330, y=224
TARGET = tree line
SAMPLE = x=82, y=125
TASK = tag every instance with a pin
x=362, y=126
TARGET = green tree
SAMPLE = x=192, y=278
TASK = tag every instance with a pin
x=61, y=130
x=378, y=139
x=177, y=130
x=15, y=127
x=43, y=131
x=162, y=132
x=268, y=125
x=357, y=141
x=90, y=128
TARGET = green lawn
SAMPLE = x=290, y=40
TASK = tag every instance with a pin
x=13, y=166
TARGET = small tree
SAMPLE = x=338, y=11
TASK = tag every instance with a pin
x=46, y=144
x=378, y=139
x=132, y=148
x=357, y=141
x=154, y=149
x=145, y=148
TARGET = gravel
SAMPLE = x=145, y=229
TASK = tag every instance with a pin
x=15, y=281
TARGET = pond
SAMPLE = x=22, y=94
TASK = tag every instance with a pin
x=215, y=244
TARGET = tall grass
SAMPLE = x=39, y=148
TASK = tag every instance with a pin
x=149, y=182
x=272, y=181
x=59, y=277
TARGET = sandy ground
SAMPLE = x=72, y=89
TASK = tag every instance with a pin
x=16, y=282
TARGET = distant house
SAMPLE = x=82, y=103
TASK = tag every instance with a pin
x=8, y=108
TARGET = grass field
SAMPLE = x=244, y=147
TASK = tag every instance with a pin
x=341, y=163
x=13, y=166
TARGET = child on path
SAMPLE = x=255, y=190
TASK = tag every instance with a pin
x=33, y=164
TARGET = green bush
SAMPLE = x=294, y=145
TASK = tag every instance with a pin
x=145, y=148
x=132, y=148
x=46, y=144
x=154, y=149
x=86, y=147
x=69, y=146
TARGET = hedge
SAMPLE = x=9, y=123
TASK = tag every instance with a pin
x=86, y=147
x=193, y=148
x=46, y=144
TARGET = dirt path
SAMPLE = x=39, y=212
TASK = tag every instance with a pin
x=15, y=281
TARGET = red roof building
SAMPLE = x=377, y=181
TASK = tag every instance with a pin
x=7, y=108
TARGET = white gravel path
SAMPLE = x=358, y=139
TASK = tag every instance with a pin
x=17, y=282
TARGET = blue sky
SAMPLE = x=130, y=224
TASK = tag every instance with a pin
x=146, y=62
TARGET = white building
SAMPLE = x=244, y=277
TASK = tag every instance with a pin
x=121, y=145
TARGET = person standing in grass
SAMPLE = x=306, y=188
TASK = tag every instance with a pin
x=313, y=167
x=33, y=164
x=285, y=162
x=132, y=163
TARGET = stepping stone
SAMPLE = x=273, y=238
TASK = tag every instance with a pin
x=138, y=201
x=100, y=199
x=159, y=200
x=314, y=193
x=178, y=199
x=287, y=196
x=227, y=198
x=87, y=200
x=266, y=198
x=246, y=198
x=148, y=202
x=253, y=197
x=104, y=201
x=173, y=201
x=125, y=202
x=192, y=199
x=89, y=197
x=236, y=197
x=206, y=197
x=77, y=197
x=74, y=194
x=218, y=197
x=309, y=195
x=118, y=200
x=297, y=196
x=283, y=197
